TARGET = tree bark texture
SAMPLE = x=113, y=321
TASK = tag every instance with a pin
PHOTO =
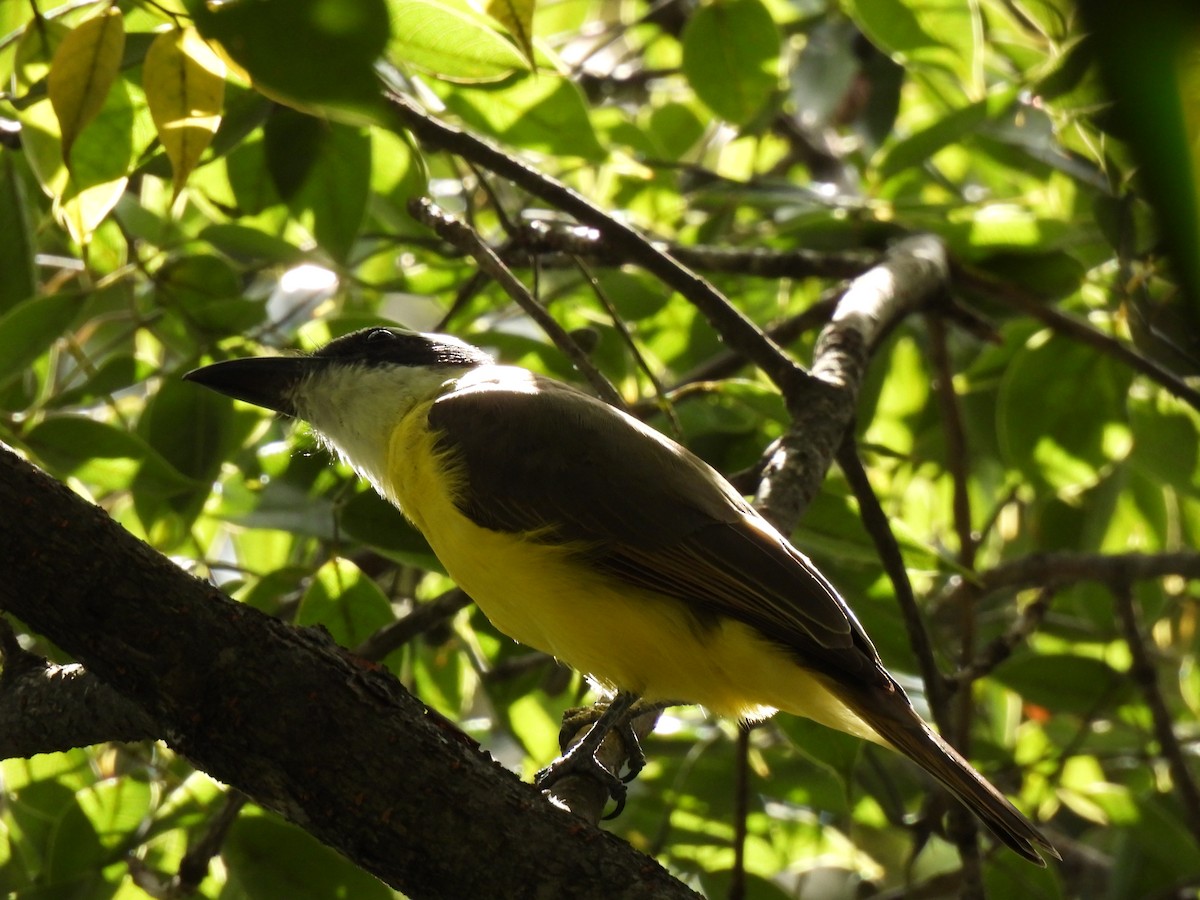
x=330, y=741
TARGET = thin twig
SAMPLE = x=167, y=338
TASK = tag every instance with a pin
x=423, y=617
x=1041, y=570
x=741, y=811
x=1144, y=673
x=875, y=521
x=194, y=866
x=1080, y=331
x=461, y=235
x=1001, y=648
x=663, y=402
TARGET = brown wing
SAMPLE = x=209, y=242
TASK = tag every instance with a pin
x=646, y=510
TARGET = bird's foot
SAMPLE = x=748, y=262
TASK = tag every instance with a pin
x=580, y=758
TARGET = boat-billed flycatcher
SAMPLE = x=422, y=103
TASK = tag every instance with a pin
x=584, y=533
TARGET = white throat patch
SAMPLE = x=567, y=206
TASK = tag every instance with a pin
x=354, y=408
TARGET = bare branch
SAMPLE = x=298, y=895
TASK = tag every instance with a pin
x=464, y=237
x=1080, y=331
x=1146, y=676
x=822, y=407
x=52, y=708
x=1043, y=570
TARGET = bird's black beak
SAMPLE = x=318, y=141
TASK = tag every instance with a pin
x=266, y=381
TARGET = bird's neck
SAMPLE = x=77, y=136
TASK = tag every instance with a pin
x=355, y=410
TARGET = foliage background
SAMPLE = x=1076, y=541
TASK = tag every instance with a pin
x=160, y=207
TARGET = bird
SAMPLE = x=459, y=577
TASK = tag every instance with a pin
x=582, y=532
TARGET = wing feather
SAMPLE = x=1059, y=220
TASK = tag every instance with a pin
x=646, y=511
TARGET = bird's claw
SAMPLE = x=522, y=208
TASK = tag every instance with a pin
x=580, y=759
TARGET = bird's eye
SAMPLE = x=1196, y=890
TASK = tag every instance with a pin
x=379, y=334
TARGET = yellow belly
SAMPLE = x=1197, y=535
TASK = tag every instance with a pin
x=544, y=597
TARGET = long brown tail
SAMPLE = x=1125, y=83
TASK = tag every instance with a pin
x=892, y=716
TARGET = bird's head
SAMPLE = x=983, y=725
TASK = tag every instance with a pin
x=354, y=391
x=363, y=361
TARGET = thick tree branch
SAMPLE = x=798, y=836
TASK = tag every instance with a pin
x=51, y=708
x=912, y=274
x=301, y=726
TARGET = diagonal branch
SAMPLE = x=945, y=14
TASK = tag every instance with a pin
x=1079, y=331
x=332, y=743
x=739, y=332
x=52, y=708
x=913, y=274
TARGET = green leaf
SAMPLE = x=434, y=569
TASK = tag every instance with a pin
x=270, y=858
x=1061, y=414
x=185, y=89
x=206, y=292
x=1164, y=440
x=1063, y=682
x=918, y=148
x=449, y=43
x=544, y=113
x=104, y=455
x=731, y=57
x=250, y=245
x=323, y=171
x=372, y=521
x=1149, y=55
x=934, y=33
x=29, y=328
x=333, y=200
x=327, y=58
x=291, y=141
x=100, y=155
x=517, y=18
x=674, y=129
x=117, y=373
x=84, y=67
x=194, y=430
x=346, y=602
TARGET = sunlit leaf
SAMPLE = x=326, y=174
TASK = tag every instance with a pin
x=185, y=88
x=343, y=600
x=16, y=237
x=941, y=34
x=328, y=57
x=544, y=113
x=449, y=43
x=28, y=329
x=517, y=18
x=731, y=57
x=84, y=67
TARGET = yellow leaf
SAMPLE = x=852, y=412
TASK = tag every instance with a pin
x=80, y=211
x=185, y=88
x=517, y=18
x=84, y=67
